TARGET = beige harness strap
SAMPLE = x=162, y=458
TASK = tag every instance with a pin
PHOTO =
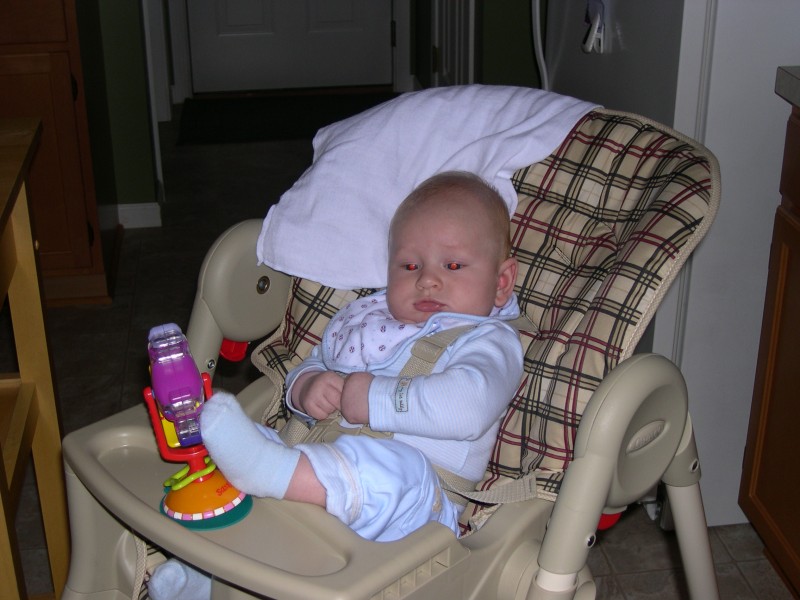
x=517, y=490
x=426, y=351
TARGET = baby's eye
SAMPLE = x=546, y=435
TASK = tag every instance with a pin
x=411, y=267
x=453, y=266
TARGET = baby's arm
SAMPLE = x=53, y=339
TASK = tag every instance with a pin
x=460, y=402
x=355, y=398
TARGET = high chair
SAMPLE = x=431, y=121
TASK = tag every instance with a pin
x=602, y=227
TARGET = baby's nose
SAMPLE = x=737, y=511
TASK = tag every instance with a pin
x=428, y=279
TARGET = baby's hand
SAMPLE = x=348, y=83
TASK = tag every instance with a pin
x=318, y=393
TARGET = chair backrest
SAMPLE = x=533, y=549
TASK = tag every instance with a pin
x=602, y=227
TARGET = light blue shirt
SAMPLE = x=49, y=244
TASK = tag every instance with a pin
x=452, y=415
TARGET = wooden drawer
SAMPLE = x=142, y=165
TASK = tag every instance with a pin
x=770, y=486
x=32, y=22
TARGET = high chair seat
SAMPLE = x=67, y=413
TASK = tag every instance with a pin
x=602, y=227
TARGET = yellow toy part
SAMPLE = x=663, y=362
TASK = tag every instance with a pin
x=169, y=432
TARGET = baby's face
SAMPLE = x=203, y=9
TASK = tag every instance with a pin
x=444, y=258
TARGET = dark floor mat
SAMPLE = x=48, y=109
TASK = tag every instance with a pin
x=263, y=118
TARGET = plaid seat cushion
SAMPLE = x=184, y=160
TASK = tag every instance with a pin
x=311, y=306
x=602, y=227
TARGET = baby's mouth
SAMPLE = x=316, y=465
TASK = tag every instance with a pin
x=428, y=306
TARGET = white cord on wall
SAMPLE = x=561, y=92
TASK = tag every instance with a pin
x=536, y=35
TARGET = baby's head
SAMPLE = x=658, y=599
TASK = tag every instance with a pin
x=449, y=250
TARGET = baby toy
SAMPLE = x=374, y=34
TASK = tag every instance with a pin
x=198, y=496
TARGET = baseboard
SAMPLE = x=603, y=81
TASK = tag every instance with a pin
x=130, y=216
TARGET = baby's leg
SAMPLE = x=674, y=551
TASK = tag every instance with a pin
x=251, y=457
x=382, y=489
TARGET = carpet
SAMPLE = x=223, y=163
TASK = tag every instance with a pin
x=263, y=118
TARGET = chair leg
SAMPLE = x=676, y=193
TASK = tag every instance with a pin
x=692, y=532
x=51, y=486
x=12, y=584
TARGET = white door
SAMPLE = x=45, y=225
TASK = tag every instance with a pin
x=241, y=45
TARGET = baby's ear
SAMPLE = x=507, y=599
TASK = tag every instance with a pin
x=506, y=278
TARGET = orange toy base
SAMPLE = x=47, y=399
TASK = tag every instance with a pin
x=203, y=499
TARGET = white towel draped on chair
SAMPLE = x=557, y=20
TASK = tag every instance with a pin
x=334, y=221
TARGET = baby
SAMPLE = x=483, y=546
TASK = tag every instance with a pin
x=449, y=266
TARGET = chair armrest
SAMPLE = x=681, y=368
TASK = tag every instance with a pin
x=237, y=299
x=629, y=434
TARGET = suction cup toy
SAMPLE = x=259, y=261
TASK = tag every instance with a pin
x=198, y=496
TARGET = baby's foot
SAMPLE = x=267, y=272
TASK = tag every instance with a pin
x=251, y=462
x=221, y=407
x=175, y=580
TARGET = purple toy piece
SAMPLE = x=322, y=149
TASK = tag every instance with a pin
x=177, y=384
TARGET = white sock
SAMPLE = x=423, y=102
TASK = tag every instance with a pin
x=250, y=461
x=175, y=580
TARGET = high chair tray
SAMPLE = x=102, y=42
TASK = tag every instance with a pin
x=281, y=548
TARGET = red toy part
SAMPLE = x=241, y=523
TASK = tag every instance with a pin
x=233, y=351
x=195, y=455
x=607, y=521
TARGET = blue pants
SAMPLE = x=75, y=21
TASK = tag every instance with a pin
x=381, y=488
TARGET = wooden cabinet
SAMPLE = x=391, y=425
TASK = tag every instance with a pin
x=770, y=486
x=41, y=77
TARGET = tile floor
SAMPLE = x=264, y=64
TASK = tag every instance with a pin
x=100, y=361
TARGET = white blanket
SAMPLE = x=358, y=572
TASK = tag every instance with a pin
x=332, y=225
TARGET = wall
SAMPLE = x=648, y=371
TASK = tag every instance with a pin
x=743, y=122
x=94, y=87
x=506, y=50
x=112, y=52
x=639, y=71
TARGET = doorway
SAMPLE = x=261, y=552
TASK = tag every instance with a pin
x=244, y=45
